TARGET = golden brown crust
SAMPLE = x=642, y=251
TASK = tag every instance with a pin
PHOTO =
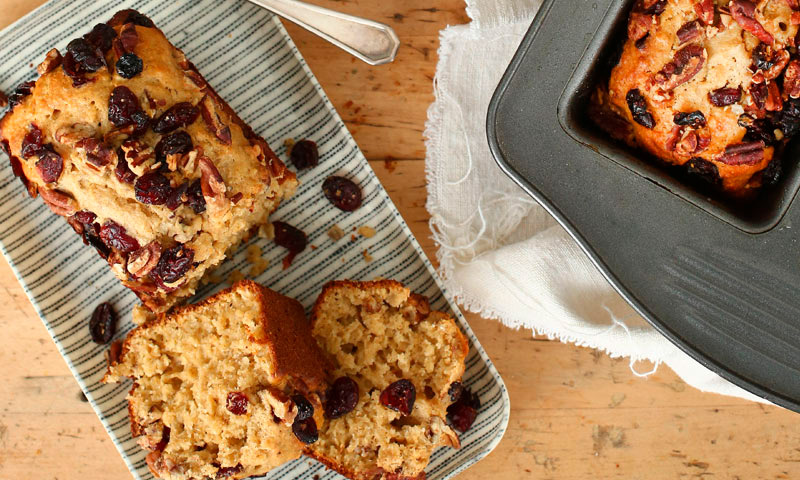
x=353, y=475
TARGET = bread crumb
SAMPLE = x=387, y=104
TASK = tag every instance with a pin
x=141, y=315
x=313, y=247
x=266, y=231
x=336, y=233
x=366, y=232
x=259, y=266
x=212, y=277
x=352, y=238
x=235, y=277
x=366, y=255
x=253, y=253
x=289, y=144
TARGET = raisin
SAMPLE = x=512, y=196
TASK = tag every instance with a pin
x=50, y=164
x=462, y=414
x=176, y=143
x=129, y=65
x=174, y=263
x=123, y=170
x=179, y=115
x=304, y=408
x=399, y=396
x=694, y=119
x=88, y=57
x=139, y=19
x=101, y=36
x=342, y=397
x=73, y=70
x=103, y=324
x=305, y=430
x=195, y=198
x=762, y=58
x=455, y=391
x=342, y=193
x=22, y=91
x=176, y=198
x=290, y=238
x=236, y=403
x=704, y=170
x=725, y=96
x=32, y=143
x=122, y=105
x=115, y=236
x=305, y=154
x=638, y=108
x=152, y=189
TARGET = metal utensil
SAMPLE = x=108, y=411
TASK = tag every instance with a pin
x=373, y=42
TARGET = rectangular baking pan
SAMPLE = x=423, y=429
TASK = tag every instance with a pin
x=716, y=277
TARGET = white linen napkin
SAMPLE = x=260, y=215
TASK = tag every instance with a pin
x=501, y=254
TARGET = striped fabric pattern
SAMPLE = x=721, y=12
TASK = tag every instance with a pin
x=248, y=57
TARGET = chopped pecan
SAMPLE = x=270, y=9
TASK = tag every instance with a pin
x=51, y=61
x=213, y=122
x=768, y=64
x=118, y=134
x=773, y=102
x=211, y=183
x=791, y=79
x=97, y=153
x=689, y=32
x=196, y=79
x=685, y=141
x=705, y=11
x=744, y=13
x=127, y=40
x=746, y=153
x=142, y=261
x=687, y=62
x=159, y=465
x=74, y=133
x=639, y=26
x=60, y=203
x=282, y=406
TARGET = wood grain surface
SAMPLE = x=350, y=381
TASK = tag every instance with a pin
x=576, y=414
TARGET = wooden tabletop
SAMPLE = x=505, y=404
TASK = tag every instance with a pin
x=575, y=413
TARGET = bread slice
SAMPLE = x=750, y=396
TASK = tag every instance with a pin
x=216, y=385
x=379, y=333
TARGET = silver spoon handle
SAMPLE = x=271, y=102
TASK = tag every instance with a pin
x=373, y=42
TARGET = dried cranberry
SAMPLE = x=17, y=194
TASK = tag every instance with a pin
x=50, y=164
x=462, y=414
x=177, y=197
x=291, y=238
x=305, y=430
x=141, y=120
x=399, y=396
x=725, y=96
x=122, y=105
x=455, y=391
x=342, y=193
x=22, y=91
x=115, y=236
x=179, y=115
x=759, y=92
x=123, y=170
x=225, y=472
x=139, y=19
x=176, y=143
x=174, y=263
x=32, y=142
x=152, y=189
x=304, y=408
x=88, y=57
x=693, y=119
x=91, y=236
x=85, y=217
x=638, y=108
x=103, y=324
x=762, y=57
x=195, y=198
x=757, y=129
x=305, y=154
x=101, y=36
x=788, y=120
x=704, y=170
x=129, y=65
x=342, y=397
x=236, y=403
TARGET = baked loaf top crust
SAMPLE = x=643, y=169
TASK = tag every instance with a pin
x=710, y=85
x=379, y=333
x=123, y=137
x=215, y=384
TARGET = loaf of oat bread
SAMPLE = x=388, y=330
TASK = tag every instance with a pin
x=124, y=138
x=228, y=387
x=396, y=365
x=712, y=86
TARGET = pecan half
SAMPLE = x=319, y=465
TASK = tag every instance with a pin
x=60, y=203
x=791, y=79
x=746, y=153
x=141, y=262
x=744, y=13
x=213, y=122
x=689, y=32
x=51, y=61
x=686, y=63
x=211, y=183
x=705, y=11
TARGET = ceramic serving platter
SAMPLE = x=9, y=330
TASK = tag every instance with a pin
x=247, y=56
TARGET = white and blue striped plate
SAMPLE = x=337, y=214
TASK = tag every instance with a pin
x=248, y=57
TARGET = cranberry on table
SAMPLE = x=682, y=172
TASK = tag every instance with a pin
x=462, y=414
x=103, y=324
x=399, y=396
x=236, y=403
x=342, y=397
x=304, y=154
x=342, y=193
x=290, y=238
